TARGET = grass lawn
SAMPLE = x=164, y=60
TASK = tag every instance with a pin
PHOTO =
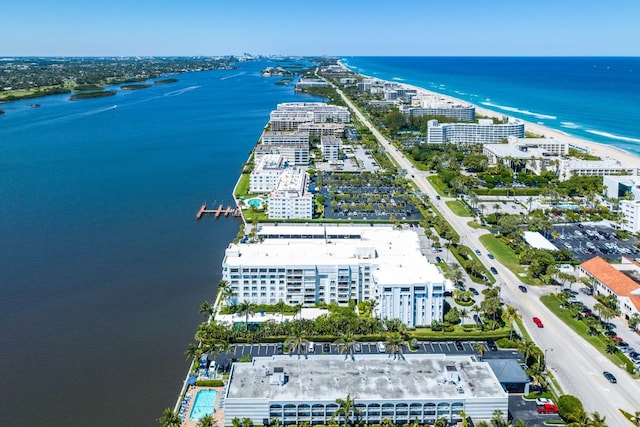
x=553, y=304
x=505, y=256
x=437, y=184
x=242, y=187
x=458, y=208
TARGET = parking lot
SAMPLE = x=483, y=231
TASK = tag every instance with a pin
x=587, y=241
x=424, y=347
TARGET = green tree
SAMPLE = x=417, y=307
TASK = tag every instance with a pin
x=394, y=343
x=570, y=408
x=207, y=309
x=598, y=420
x=480, y=349
x=246, y=309
x=498, y=419
x=226, y=291
x=346, y=410
x=297, y=342
x=346, y=344
x=169, y=419
x=207, y=421
x=510, y=316
x=453, y=316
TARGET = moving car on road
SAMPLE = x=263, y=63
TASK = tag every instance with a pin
x=522, y=288
x=609, y=376
x=538, y=322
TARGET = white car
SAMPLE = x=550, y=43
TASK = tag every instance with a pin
x=543, y=400
x=311, y=347
x=381, y=347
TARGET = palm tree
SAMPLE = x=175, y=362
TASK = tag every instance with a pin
x=597, y=420
x=297, y=342
x=346, y=408
x=246, y=422
x=169, y=419
x=246, y=309
x=583, y=420
x=511, y=315
x=226, y=291
x=636, y=418
x=346, y=344
x=498, y=419
x=207, y=421
x=280, y=307
x=394, y=344
x=528, y=349
x=386, y=422
x=207, y=309
x=481, y=349
x=193, y=351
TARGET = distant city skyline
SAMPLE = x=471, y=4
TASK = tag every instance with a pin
x=334, y=28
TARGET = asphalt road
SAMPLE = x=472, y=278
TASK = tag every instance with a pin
x=576, y=365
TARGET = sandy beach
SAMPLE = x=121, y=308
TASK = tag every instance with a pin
x=605, y=152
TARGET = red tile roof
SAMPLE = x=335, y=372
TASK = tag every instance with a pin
x=615, y=280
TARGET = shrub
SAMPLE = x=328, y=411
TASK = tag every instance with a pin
x=210, y=383
x=570, y=408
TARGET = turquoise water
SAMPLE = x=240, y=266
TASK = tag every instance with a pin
x=256, y=203
x=594, y=98
x=203, y=404
x=102, y=263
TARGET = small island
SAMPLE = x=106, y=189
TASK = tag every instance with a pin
x=1, y=112
x=135, y=86
x=165, y=81
x=88, y=95
x=87, y=87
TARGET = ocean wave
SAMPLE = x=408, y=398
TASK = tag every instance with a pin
x=570, y=125
x=517, y=110
x=398, y=78
x=181, y=91
x=612, y=136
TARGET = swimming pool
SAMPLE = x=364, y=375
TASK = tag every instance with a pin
x=203, y=404
x=255, y=202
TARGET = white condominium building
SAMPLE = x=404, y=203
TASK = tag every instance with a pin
x=297, y=391
x=303, y=83
x=290, y=198
x=321, y=111
x=330, y=146
x=618, y=186
x=539, y=154
x=280, y=137
x=473, y=133
x=308, y=264
x=266, y=173
x=630, y=210
x=432, y=105
x=295, y=154
x=573, y=167
x=320, y=129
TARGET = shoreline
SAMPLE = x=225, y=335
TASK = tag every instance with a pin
x=604, y=151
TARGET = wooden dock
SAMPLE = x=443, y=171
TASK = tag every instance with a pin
x=221, y=211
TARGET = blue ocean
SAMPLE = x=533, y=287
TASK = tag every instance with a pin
x=593, y=98
x=102, y=264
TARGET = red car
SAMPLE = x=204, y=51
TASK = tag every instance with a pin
x=538, y=322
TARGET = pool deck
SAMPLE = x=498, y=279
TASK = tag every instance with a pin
x=218, y=416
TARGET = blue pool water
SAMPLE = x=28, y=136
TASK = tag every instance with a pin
x=256, y=203
x=203, y=404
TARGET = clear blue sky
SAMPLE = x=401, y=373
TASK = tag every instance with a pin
x=330, y=27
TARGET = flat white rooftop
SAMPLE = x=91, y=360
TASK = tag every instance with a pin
x=395, y=254
x=368, y=377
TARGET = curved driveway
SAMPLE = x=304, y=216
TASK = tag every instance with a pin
x=576, y=365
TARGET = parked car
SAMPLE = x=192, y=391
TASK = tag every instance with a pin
x=474, y=291
x=547, y=408
x=326, y=347
x=609, y=376
x=381, y=347
x=279, y=348
x=522, y=288
x=491, y=345
x=311, y=347
x=538, y=322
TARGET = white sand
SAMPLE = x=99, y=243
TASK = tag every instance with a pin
x=603, y=151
